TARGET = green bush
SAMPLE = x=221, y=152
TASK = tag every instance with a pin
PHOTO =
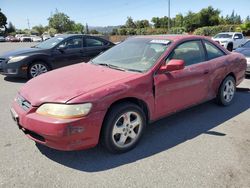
x=177, y=30
x=213, y=30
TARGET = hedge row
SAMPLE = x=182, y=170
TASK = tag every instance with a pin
x=213, y=30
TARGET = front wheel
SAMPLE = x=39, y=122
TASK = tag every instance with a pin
x=226, y=91
x=123, y=127
x=37, y=69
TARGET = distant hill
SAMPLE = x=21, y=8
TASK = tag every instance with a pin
x=106, y=29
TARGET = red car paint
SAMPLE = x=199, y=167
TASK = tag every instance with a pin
x=103, y=87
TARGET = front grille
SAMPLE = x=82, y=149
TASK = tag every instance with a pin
x=23, y=103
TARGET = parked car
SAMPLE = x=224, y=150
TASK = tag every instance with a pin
x=245, y=50
x=113, y=98
x=46, y=37
x=230, y=40
x=36, y=39
x=2, y=39
x=51, y=54
x=26, y=38
x=12, y=39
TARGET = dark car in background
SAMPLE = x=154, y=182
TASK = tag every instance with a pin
x=53, y=53
x=2, y=39
x=245, y=50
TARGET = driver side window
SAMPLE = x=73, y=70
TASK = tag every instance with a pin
x=72, y=43
x=192, y=52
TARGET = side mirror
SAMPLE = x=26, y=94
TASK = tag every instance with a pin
x=172, y=65
x=236, y=37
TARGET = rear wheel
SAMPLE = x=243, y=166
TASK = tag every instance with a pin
x=230, y=47
x=37, y=69
x=123, y=127
x=226, y=91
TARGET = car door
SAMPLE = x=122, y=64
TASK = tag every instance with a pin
x=179, y=89
x=238, y=40
x=68, y=52
x=218, y=60
x=93, y=46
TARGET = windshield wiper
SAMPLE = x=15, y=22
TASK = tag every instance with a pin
x=134, y=70
x=119, y=68
x=112, y=66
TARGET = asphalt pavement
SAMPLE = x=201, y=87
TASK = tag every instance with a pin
x=204, y=146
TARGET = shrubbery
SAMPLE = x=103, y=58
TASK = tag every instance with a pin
x=213, y=30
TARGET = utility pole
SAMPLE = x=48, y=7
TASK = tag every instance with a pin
x=168, y=15
x=28, y=22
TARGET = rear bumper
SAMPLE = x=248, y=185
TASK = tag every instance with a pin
x=66, y=135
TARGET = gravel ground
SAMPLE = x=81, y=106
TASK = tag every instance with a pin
x=205, y=146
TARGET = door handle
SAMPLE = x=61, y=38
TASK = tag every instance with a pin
x=206, y=71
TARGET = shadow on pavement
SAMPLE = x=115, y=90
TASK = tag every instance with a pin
x=16, y=80
x=159, y=136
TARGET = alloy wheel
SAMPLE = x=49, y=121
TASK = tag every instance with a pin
x=229, y=90
x=127, y=129
x=37, y=69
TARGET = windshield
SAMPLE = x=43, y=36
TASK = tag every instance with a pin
x=50, y=43
x=135, y=54
x=223, y=35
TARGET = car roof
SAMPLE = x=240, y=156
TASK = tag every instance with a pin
x=171, y=37
x=230, y=33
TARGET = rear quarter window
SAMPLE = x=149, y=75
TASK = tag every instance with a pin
x=213, y=51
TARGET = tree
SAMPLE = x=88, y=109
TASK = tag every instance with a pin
x=130, y=23
x=141, y=24
x=86, y=29
x=179, y=20
x=78, y=28
x=52, y=31
x=233, y=19
x=3, y=20
x=247, y=19
x=61, y=22
x=94, y=32
x=39, y=29
x=156, y=21
x=209, y=17
x=11, y=28
x=160, y=22
x=191, y=21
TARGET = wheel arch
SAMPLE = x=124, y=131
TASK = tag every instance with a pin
x=142, y=104
x=44, y=60
x=229, y=74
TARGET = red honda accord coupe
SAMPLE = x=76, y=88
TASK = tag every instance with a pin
x=112, y=98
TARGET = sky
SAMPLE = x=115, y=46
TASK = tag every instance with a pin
x=110, y=12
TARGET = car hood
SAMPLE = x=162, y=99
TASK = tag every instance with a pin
x=62, y=85
x=23, y=51
x=221, y=39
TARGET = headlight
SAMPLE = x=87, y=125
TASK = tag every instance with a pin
x=16, y=59
x=64, y=111
x=224, y=41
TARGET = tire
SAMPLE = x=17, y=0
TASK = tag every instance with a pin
x=120, y=135
x=226, y=91
x=37, y=68
x=230, y=47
